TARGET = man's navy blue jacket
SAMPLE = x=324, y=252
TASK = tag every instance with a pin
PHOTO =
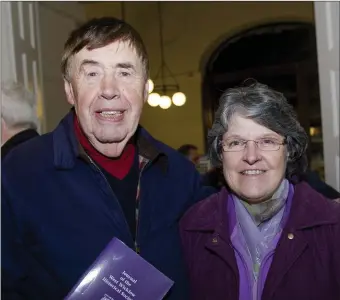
x=59, y=213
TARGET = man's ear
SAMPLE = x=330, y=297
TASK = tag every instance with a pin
x=146, y=91
x=69, y=91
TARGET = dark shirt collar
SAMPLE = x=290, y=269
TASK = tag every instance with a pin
x=16, y=140
x=146, y=149
x=67, y=148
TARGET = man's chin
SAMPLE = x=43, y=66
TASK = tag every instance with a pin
x=111, y=141
x=111, y=147
x=108, y=138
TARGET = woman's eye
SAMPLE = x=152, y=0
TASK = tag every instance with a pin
x=235, y=143
x=268, y=141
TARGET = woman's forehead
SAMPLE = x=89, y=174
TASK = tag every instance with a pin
x=247, y=128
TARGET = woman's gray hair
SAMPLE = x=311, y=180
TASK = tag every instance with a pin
x=18, y=106
x=268, y=108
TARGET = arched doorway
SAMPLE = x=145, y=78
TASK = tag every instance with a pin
x=281, y=55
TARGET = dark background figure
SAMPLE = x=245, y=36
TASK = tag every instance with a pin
x=214, y=177
x=313, y=179
x=190, y=151
x=19, y=120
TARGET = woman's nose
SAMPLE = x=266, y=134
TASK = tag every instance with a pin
x=251, y=153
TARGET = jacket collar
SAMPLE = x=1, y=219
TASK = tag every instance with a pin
x=209, y=215
x=309, y=209
x=67, y=148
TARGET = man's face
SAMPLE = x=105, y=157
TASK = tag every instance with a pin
x=108, y=88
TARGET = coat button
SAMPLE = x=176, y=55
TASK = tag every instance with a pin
x=290, y=236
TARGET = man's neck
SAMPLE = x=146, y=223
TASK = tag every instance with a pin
x=118, y=167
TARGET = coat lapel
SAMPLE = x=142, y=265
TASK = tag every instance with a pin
x=213, y=218
x=309, y=209
x=290, y=247
x=220, y=244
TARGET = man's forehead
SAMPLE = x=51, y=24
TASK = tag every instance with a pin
x=115, y=51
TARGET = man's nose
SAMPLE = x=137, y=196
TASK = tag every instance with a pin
x=109, y=88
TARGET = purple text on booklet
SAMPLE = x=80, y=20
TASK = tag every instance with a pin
x=119, y=273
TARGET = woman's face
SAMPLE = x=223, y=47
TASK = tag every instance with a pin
x=253, y=174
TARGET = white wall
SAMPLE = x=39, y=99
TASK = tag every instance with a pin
x=32, y=39
x=57, y=20
x=20, y=49
x=7, y=52
x=327, y=36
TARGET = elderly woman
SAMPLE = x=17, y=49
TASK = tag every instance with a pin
x=268, y=235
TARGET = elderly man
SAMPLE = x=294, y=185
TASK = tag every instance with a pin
x=18, y=116
x=98, y=175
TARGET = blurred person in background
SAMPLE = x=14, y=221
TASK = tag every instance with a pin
x=210, y=176
x=97, y=176
x=214, y=178
x=267, y=235
x=190, y=152
x=314, y=180
x=19, y=121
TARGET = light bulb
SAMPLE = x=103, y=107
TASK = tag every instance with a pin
x=165, y=102
x=151, y=86
x=178, y=99
x=154, y=99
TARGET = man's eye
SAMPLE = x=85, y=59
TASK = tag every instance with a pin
x=92, y=74
x=125, y=74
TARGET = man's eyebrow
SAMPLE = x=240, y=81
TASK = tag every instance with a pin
x=89, y=62
x=126, y=65
x=123, y=65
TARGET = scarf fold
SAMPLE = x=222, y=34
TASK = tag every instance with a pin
x=264, y=211
x=260, y=223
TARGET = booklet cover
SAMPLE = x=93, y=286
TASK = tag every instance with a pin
x=119, y=273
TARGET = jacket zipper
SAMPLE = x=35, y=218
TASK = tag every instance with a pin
x=137, y=245
x=114, y=196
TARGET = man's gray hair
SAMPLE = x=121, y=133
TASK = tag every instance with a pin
x=18, y=106
x=268, y=108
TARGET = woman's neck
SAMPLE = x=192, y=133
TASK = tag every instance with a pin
x=264, y=211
